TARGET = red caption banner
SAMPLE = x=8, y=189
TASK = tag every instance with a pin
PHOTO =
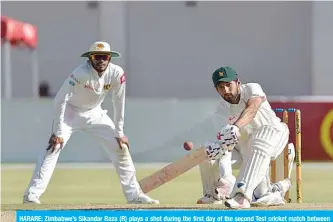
x=316, y=128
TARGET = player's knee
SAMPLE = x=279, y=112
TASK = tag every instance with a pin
x=265, y=140
x=262, y=146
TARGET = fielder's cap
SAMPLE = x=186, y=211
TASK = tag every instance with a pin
x=101, y=47
x=224, y=74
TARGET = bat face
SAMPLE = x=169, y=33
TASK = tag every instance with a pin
x=173, y=170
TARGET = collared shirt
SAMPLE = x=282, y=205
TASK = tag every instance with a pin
x=227, y=113
x=84, y=90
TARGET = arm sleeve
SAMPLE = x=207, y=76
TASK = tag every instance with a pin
x=254, y=90
x=65, y=93
x=118, y=100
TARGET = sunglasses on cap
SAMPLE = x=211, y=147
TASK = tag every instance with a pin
x=104, y=57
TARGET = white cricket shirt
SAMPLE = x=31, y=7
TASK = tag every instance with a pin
x=227, y=113
x=84, y=90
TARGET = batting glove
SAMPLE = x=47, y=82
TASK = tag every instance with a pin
x=214, y=150
x=229, y=136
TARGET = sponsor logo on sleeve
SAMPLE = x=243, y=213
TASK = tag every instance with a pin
x=72, y=82
x=74, y=79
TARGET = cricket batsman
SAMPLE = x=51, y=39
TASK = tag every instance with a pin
x=252, y=133
x=77, y=107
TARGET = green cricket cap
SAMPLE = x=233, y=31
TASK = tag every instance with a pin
x=224, y=74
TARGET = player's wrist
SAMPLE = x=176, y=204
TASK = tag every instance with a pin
x=235, y=124
x=120, y=134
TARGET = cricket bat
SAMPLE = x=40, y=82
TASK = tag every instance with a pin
x=173, y=170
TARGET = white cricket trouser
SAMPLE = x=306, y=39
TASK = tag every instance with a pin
x=99, y=124
x=265, y=144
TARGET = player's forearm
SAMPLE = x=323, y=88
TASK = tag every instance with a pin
x=119, y=123
x=119, y=113
x=60, y=107
x=60, y=103
x=246, y=117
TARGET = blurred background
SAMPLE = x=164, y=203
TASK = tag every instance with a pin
x=169, y=51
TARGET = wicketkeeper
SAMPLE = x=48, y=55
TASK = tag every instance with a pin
x=78, y=108
x=250, y=135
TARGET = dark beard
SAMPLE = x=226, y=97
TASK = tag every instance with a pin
x=233, y=100
x=98, y=69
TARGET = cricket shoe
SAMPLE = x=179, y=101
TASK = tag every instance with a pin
x=239, y=201
x=275, y=197
x=209, y=199
x=143, y=199
x=29, y=199
x=224, y=188
x=282, y=186
x=269, y=199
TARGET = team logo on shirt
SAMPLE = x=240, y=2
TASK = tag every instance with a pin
x=107, y=87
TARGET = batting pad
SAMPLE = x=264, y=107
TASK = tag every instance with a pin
x=237, y=157
x=210, y=173
x=263, y=187
x=225, y=164
x=254, y=169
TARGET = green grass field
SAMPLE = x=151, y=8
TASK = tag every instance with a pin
x=100, y=189
x=90, y=186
